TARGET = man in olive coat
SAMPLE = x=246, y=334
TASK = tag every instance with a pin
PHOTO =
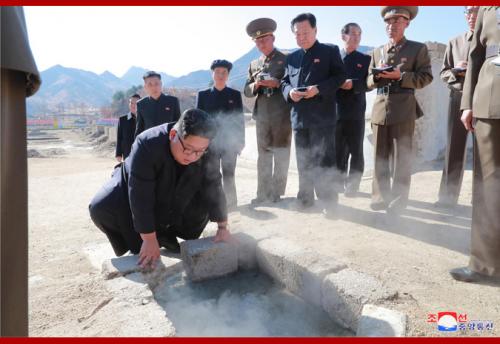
x=481, y=102
x=271, y=112
x=453, y=73
x=395, y=108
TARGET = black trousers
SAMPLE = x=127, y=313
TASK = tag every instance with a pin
x=228, y=164
x=315, y=149
x=110, y=212
x=349, y=137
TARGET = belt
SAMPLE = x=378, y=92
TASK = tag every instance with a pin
x=492, y=50
x=393, y=89
x=267, y=91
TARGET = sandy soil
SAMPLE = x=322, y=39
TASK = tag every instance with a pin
x=412, y=253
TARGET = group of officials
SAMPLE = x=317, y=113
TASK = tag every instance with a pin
x=171, y=185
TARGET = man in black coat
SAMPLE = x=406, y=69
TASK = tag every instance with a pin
x=313, y=75
x=351, y=107
x=224, y=104
x=157, y=108
x=169, y=187
x=126, y=130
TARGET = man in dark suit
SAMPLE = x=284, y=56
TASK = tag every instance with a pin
x=157, y=108
x=313, y=75
x=224, y=104
x=351, y=107
x=126, y=130
x=169, y=187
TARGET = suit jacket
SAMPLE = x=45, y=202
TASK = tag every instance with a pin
x=272, y=108
x=415, y=64
x=322, y=66
x=157, y=196
x=456, y=50
x=351, y=104
x=482, y=81
x=226, y=107
x=125, y=135
x=151, y=112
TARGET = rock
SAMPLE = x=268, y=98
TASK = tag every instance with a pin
x=203, y=259
x=381, y=322
x=345, y=293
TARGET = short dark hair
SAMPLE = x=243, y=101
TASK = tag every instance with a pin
x=303, y=17
x=221, y=63
x=135, y=95
x=151, y=74
x=196, y=122
x=347, y=28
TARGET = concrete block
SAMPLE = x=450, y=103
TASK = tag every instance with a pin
x=381, y=322
x=247, y=248
x=344, y=294
x=299, y=270
x=203, y=259
x=122, y=266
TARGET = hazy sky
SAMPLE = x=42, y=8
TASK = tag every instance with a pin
x=178, y=40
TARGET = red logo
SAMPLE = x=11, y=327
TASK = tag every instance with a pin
x=359, y=65
x=316, y=61
x=167, y=108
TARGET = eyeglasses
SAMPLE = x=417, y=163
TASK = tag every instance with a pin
x=189, y=151
x=395, y=20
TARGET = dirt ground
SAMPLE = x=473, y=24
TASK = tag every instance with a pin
x=411, y=254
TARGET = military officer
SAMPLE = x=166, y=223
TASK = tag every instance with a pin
x=225, y=105
x=453, y=73
x=271, y=112
x=408, y=67
x=126, y=130
x=481, y=105
x=313, y=74
x=351, y=107
x=157, y=108
x=169, y=187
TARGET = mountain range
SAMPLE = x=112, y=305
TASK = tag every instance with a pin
x=71, y=88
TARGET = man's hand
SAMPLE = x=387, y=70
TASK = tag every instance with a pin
x=467, y=120
x=119, y=158
x=394, y=75
x=223, y=235
x=296, y=96
x=311, y=92
x=150, y=251
x=273, y=83
x=347, y=85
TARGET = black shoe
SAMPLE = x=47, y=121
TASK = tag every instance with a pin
x=378, y=206
x=305, y=203
x=467, y=275
x=276, y=198
x=169, y=242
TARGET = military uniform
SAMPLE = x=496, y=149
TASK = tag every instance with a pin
x=152, y=112
x=393, y=117
x=350, y=131
x=314, y=119
x=274, y=131
x=125, y=135
x=226, y=107
x=453, y=171
x=481, y=93
x=152, y=192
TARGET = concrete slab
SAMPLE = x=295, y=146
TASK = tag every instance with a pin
x=381, y=322
x=345, y=293
x=299, y=270
x=203, y=259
